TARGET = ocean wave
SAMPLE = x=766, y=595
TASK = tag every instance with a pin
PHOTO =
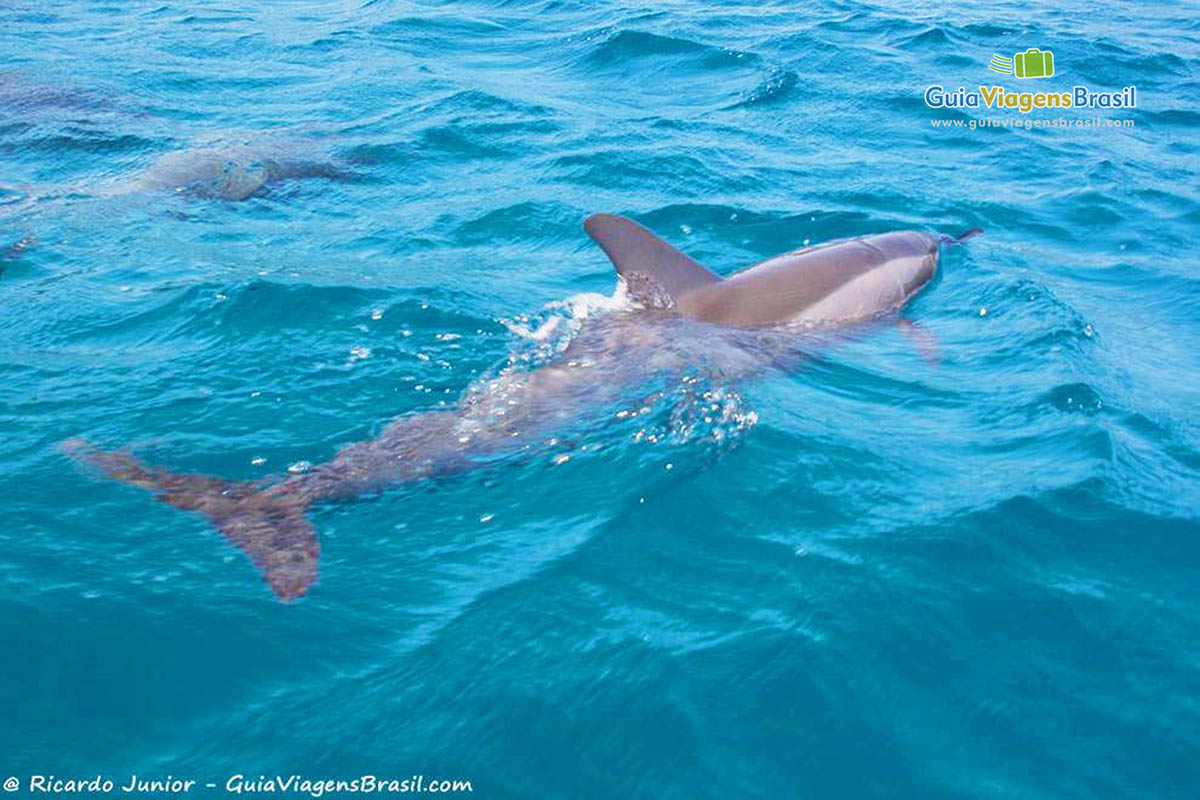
x=928, y=38
x=521, y=222
x=625, y=46
x=778, y=85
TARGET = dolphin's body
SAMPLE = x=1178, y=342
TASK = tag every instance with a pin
x=211, y=170
x=229, y=172
x=744, y=322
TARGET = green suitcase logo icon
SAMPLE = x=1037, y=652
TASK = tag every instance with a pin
x=1033, y=63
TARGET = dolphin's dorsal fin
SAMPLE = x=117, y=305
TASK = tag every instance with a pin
x=655, y=273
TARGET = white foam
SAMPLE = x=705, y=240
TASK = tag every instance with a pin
x=572, y=311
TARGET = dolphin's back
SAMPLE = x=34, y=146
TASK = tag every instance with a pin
x=840, y=281
x=837, y=282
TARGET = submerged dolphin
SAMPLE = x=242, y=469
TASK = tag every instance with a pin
x=211, y=170
x=229, y=172
x=743, y=322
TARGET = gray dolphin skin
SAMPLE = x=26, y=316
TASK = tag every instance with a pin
x=835, y=283
x=229, y=172
x=682, y=316
x=212, y=171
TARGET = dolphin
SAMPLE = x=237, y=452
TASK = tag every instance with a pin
x=680, y=314
x=209, y=171
x=228, y=172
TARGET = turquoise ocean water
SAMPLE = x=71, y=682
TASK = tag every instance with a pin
x=879, y=574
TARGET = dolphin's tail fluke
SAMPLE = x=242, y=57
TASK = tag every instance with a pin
x=269, y=526
x=962, y=237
